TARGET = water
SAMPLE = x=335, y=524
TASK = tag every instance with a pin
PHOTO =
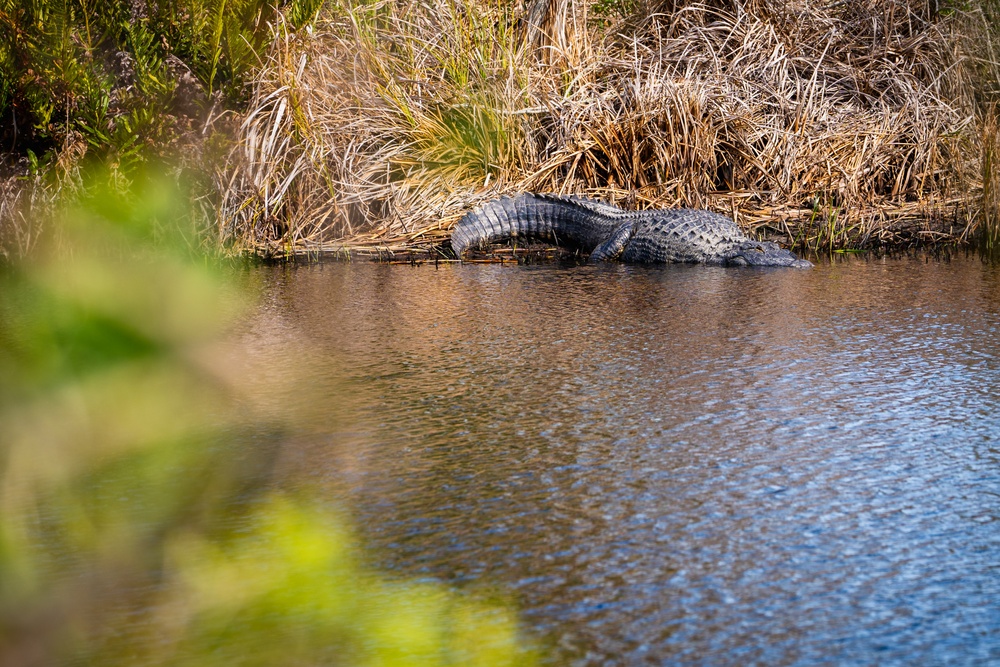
x=668, y=465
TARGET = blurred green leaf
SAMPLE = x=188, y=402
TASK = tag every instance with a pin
x=135, y=522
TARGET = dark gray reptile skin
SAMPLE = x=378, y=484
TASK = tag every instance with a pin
x=610, y=233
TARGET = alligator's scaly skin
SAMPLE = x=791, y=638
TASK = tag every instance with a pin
x=607, y=232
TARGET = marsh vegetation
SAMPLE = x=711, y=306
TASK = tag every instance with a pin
x=832, y=127
x=312, y=126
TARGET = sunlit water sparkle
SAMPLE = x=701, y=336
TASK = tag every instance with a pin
x=665, y=465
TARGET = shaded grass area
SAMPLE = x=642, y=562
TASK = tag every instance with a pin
x=830, y=127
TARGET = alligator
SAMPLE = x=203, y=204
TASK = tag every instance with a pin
x=608, y=233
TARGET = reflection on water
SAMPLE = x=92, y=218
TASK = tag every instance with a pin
x=679, y=464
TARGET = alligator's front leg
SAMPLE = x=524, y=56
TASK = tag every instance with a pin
x=612, y=248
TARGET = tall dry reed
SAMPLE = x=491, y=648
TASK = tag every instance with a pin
x=853, y=124
x=989, y=236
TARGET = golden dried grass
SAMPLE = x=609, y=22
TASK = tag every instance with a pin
x=989, y=238
x=850, y=125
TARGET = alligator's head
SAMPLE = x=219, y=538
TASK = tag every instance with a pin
x=764, y=253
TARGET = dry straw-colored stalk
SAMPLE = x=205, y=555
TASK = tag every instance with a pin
x=853, y=124
x=990, y=236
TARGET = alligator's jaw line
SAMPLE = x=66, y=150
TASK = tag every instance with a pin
x=609, y=233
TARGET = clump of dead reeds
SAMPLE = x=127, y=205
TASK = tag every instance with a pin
x=850, y=125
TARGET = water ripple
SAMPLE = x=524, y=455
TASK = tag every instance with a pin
x=684, y=465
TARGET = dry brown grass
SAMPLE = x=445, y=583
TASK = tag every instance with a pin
x=21, y=224
x=854, y=124
x=990, y=220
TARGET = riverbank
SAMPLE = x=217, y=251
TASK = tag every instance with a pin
x=895, y=229
x=374, y=127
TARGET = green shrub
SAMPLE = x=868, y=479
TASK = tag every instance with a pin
x=119, y=80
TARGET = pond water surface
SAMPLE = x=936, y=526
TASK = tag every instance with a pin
x=665, y=465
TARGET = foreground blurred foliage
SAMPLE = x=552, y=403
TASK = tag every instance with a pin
x=135, y=522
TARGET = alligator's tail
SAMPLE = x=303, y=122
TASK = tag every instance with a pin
x=571, y=222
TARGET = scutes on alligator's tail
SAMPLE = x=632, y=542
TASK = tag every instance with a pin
x=571, y=222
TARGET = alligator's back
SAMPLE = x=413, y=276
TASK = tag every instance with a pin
x=681, y=235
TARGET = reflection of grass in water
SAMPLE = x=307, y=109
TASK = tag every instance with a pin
x=122, y=481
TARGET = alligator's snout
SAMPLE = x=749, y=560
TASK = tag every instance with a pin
x=764, y=253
